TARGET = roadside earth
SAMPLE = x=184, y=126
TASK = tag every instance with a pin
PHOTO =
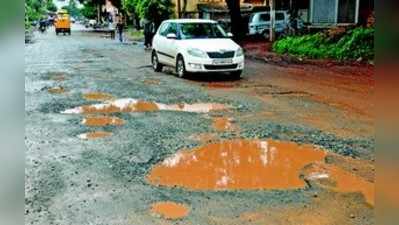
x=99, y=122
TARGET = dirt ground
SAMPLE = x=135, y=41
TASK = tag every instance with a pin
x=102, y=128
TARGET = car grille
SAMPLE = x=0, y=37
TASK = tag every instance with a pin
x=220, y=67
x=228, y=54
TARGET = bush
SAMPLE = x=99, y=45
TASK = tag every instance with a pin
x=354, y=44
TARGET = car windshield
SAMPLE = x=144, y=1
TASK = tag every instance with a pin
x=201, y=30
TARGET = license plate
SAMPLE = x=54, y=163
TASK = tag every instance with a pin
x=222, y=61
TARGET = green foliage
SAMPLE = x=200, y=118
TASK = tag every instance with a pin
x=89, y=10
x=51, y=7
x=73, y=9
x=156, y=10
x=356, y=43
x=36, y=9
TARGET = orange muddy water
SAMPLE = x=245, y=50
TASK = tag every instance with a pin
x=98, y=121
x=170, y=210
x=133, y=105
x=341, y=180
x=222, y=123
x=152, y=81
x=95, y=135
x=97, y=96
x=237, y=164
x=56, y=90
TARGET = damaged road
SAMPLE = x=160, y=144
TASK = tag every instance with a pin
x=110, y=142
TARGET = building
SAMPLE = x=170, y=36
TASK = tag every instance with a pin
x=339, y=12
x=315, y=13
x=204, y=8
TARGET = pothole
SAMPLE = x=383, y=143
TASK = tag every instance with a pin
x=99, y=121
x=337, y=179
x=56, y=90
x=237, y=164
x=217, y=85
x=222, y=123
x=134, y=105
x=97, y=96
x=152, y=81
x=170, y=210
x=94, y=135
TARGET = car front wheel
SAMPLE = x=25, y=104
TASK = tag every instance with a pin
x=155, y=62
x=180, y=67
x=236, y=74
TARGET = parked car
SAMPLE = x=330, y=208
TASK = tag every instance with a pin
x=92, y=23
x=259, y=23
x=196, y=46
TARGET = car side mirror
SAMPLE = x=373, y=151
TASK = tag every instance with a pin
x=229, y=34
x=171, y=36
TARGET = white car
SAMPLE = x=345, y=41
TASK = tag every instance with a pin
x=196, y=46
x=259, y=22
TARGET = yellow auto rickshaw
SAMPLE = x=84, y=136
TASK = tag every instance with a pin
x=63, y=23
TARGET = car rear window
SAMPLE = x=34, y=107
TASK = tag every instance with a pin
x=264, y=17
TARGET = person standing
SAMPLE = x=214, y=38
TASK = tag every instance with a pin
x=120, y=23
x=149, y=30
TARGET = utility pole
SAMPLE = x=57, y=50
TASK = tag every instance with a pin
x=98, y=12
x=272, y=30
x=178, y=9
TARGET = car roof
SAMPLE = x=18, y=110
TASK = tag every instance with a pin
x=268, y=12
x=189, y=21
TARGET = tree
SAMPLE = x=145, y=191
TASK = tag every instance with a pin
x=96, y=4
x=89, y=10
x=235, y=18
x=155, y=10
x=51, y=7
x=35, y=9
x=73, y=9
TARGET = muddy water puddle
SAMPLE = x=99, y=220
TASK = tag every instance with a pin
x=170, y=210
x=222, y=123
x=56, y=90
x=97, y=96
x=214, y=85
x=237, y=164
x=134, y=105
x=98, y=121
x=152, y=81
x=94, y=135
x=337, y=179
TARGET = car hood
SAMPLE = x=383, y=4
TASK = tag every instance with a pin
x=214, y=44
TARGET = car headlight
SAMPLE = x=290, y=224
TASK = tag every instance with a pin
x=196, y=52
x=239, y=52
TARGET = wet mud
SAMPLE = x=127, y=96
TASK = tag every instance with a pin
x=170, y=210
x=94, y=135
x=222, y=123
x=97, y=96
x=237, y=165
x=327, y=208
x=152, y=81
x=337, y=179
x=56, y=90
x=99, y=121
x=134, y=105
